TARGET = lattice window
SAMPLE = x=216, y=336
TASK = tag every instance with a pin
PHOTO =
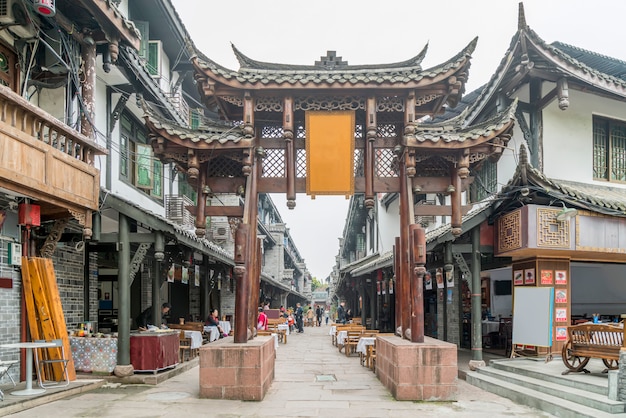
x=387, y=131
x=550, y=232
x=609, y=149
x=301, y=163
x=359, y=165
x=274, y=163
x=384, y=163
x=300, y=132
x=358, y=131
x=224, y=166
x=510, y=231
x=275, y=132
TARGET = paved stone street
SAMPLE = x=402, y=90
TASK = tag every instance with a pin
x=301, y=389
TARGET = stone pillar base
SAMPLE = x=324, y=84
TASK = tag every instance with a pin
x=237, y=371
x=417, y=371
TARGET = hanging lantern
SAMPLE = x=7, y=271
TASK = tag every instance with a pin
x=29, y=214
x=45, y=7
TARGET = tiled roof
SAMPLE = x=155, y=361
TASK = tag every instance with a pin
x=443, y=233
x=254, y=72
x=210, y=247
x=594, y=70
x=608, y=200
x=208, y=133
x=383, y=260
x=453, y=130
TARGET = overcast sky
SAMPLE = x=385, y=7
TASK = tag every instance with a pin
x=377, y=32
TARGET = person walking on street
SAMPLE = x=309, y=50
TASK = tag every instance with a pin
x=299, y=314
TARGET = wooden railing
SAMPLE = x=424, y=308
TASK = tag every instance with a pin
x=28, y=118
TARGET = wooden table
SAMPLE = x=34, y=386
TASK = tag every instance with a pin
x=29, y=366
x=154, y=351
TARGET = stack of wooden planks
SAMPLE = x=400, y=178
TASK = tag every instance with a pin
x=44, y=311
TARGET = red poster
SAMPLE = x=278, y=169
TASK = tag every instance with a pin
x=529, y=276
x=561, y=277
x=546, y=276
x=561, y=334
x=560, y=315
x=560, y=296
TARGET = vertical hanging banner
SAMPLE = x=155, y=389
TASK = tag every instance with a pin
x=330, y=153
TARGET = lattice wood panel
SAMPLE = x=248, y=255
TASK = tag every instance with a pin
x=274, y=163
x=550, y=232
x=384, y=163
x=510, y=231
x=301, y=163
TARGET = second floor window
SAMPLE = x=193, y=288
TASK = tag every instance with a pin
x=138, y=164
x=8, y=68
x=609, y=149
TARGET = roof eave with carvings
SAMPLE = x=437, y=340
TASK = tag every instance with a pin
x=294, y=77
x=526, y=39
x=207, y=136
x=107, y=11
x=494, y=132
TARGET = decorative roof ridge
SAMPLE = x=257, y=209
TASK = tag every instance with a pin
x=248, y=64
x=559, y=44
x=500, y=117
x=462, y=54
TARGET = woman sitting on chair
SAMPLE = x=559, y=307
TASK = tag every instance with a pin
x=214, y=321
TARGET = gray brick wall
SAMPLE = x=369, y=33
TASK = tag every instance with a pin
x=621, y=377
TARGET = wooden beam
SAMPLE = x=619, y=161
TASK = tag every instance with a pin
x=107, y=18
x=438, y=210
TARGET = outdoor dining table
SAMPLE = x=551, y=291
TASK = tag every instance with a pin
x=333, y=330
x=490, y=326
x=29, y=365
x=196, y=338
x=341, y=338
x=225, y=326
x=361, y=346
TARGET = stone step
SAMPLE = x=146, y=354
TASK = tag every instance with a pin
x=587, y=382
x=599, y=402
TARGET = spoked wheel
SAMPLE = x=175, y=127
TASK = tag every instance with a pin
x=573, y=362
x=611, y=364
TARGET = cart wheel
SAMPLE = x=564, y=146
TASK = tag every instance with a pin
x=611, y=364
x=573, y=362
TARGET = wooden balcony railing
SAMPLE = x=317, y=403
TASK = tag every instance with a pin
x=45, y=159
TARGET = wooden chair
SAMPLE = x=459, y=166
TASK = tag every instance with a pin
x=185, y=346
x=51, y=365
x=351, y=342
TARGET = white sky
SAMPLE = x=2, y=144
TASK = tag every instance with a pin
x=378, y=32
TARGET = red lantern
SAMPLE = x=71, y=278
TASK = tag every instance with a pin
x=29, y=214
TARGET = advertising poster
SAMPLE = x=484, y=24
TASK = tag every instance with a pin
x=439, y=278
x=560, y=315
x=428, y=281
x=561, y=334
x=546, y=276
x=518, y=277
x=561, y=277
x=560, y=296
x=529, y=276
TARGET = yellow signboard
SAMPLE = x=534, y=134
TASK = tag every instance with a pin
x=330, y=153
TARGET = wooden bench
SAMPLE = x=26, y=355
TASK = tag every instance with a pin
x=272, y=325
x=587, y=341
x=191, y=326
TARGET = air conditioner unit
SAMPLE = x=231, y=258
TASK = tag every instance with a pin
x=12, y=13
x=176, y=211
x=221, y=231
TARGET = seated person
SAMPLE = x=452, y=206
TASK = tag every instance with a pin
x=262, y=320
x=214, y=321
x=145, y=318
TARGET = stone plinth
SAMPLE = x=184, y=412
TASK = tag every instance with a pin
x=417, y=371
x=237, y=371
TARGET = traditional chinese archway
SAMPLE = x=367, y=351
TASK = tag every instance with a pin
x=331, y=128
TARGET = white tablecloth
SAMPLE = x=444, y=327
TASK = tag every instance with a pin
x=196, y=338
x=213, y=332
x=284, y=327
x=225, y=326
x=333, y=329
x=341, y=337
x=490, y=326
x=361, y=346
x=275, y=336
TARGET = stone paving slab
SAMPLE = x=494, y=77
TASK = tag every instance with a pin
x=295, y=392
